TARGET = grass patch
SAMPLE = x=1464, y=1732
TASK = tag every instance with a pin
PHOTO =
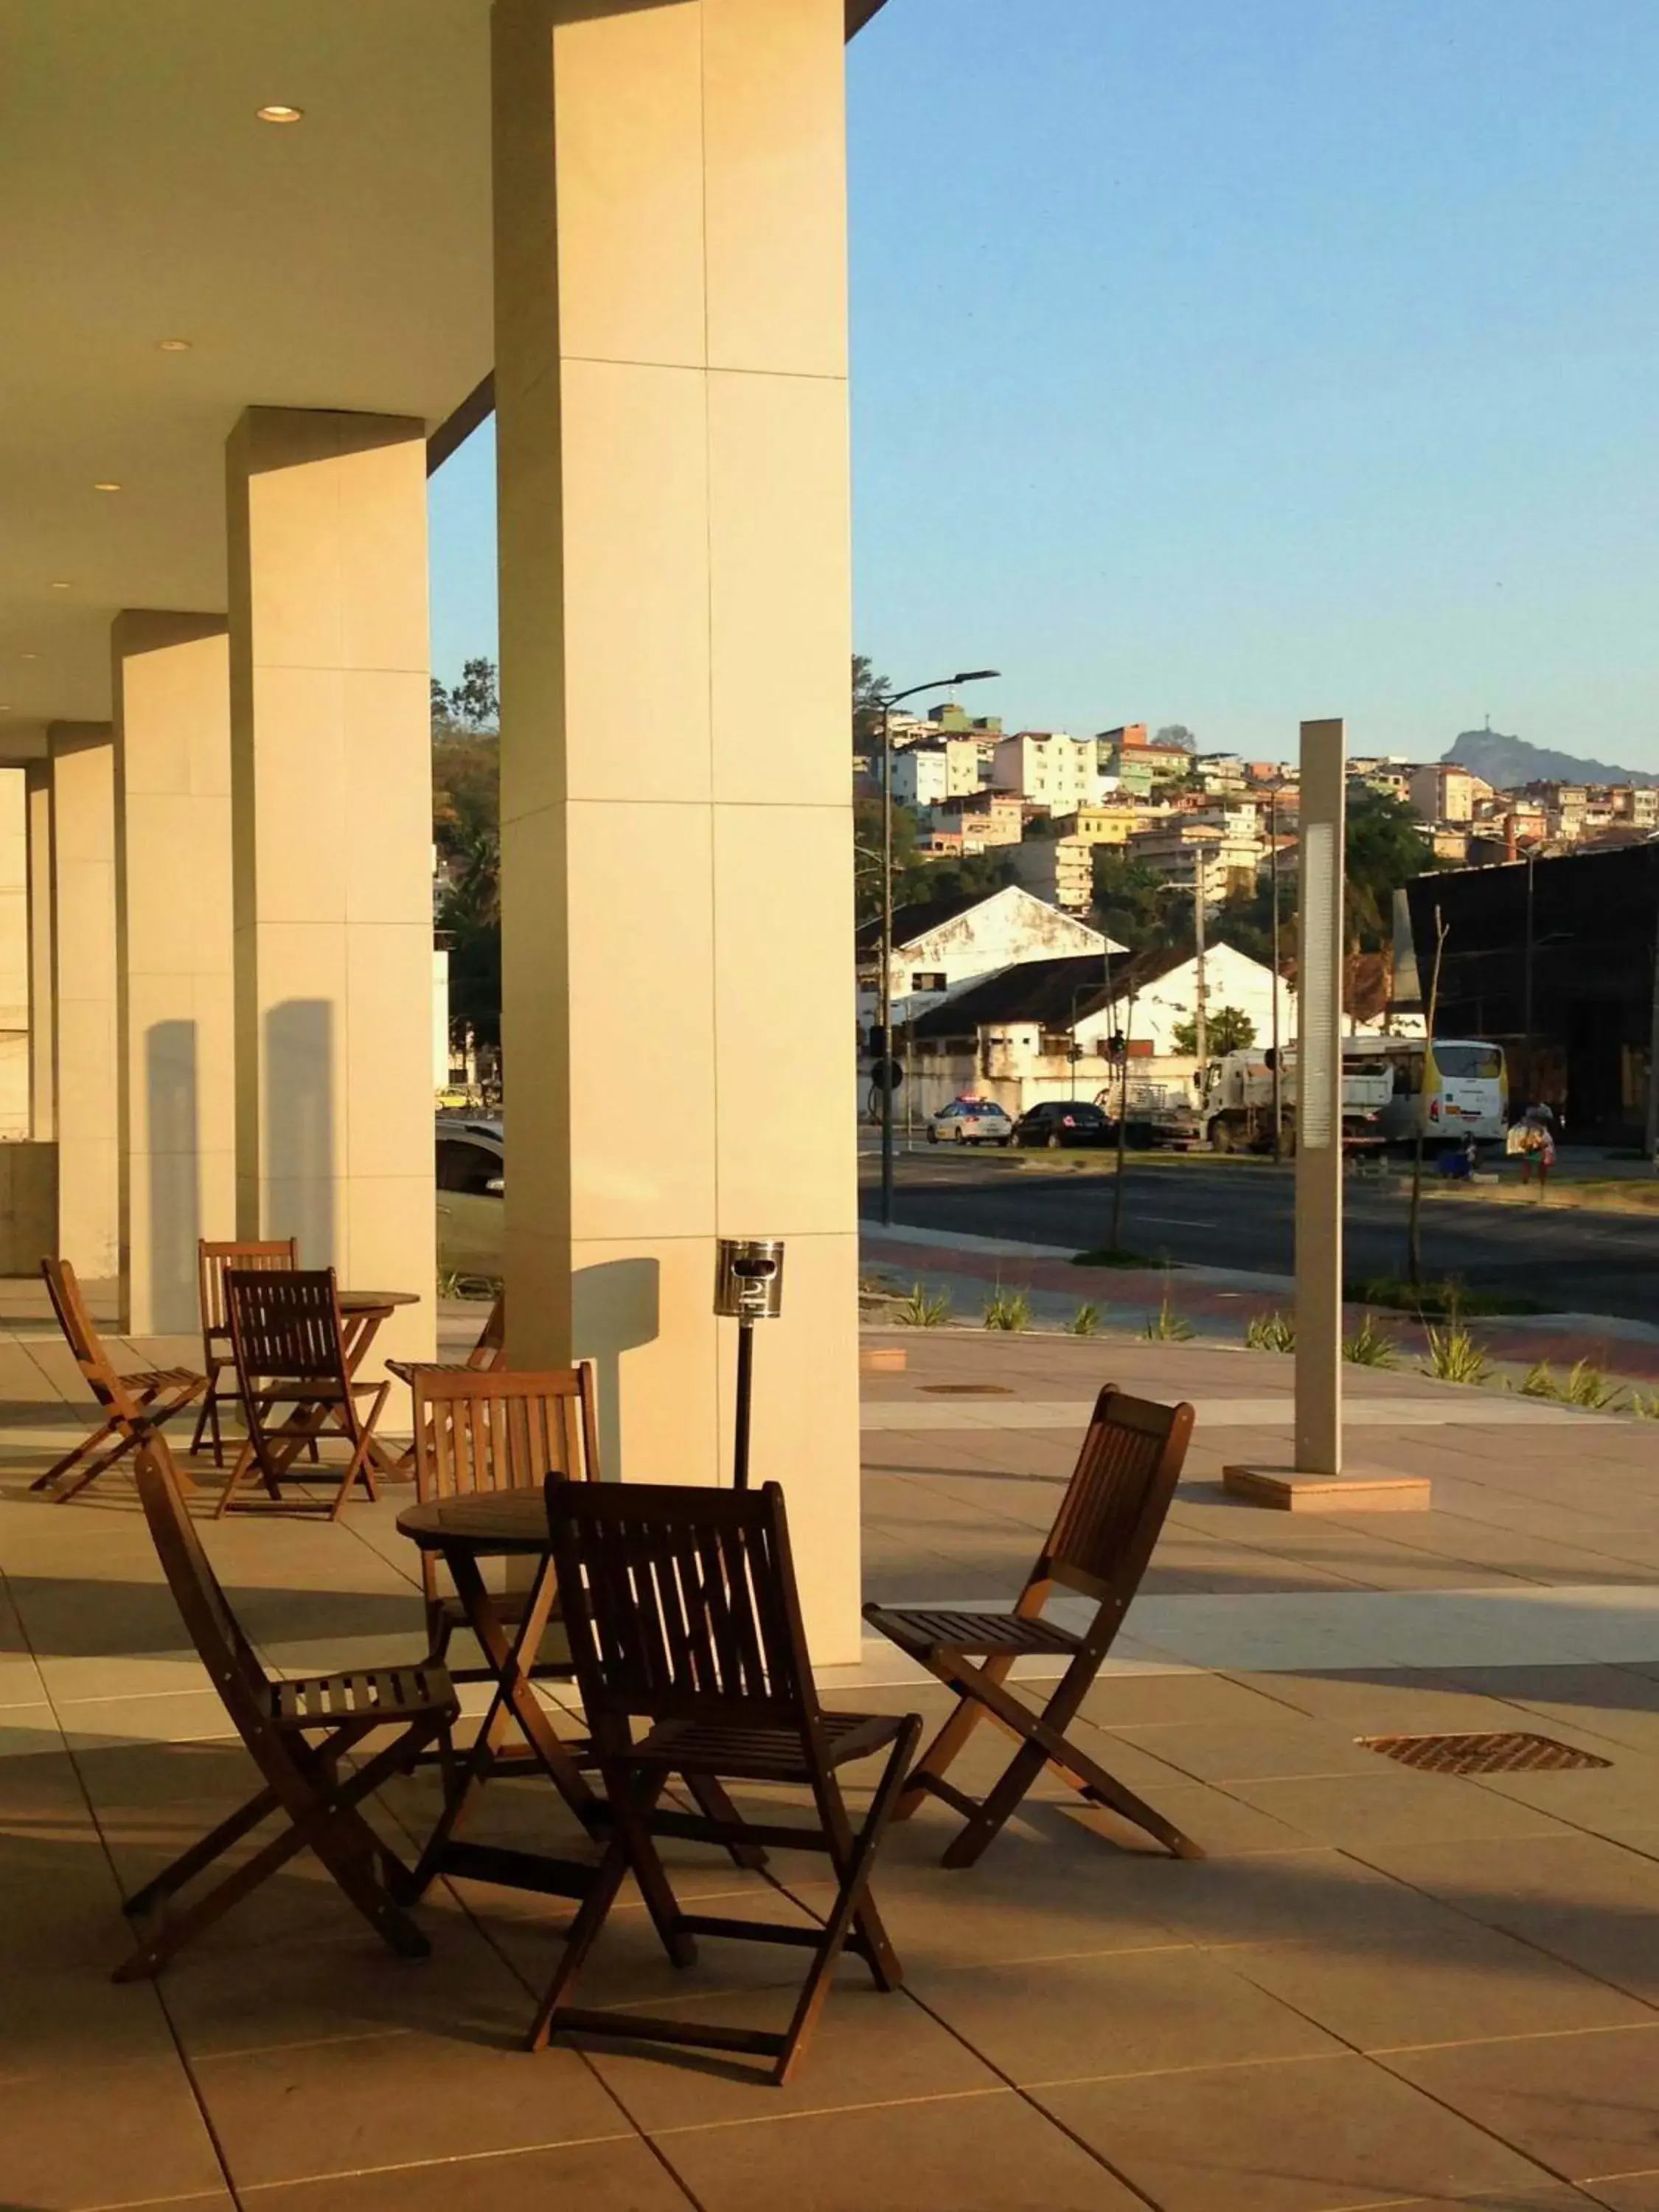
x=1008, y=1310
x=923, y=1308
x=1270, y=1332
x=1455, y=1356
x=1085, y=1322
x=1584, y=1384
x=1107, y=1256
x=1371, y=1345
x=1166, y=1326
x=1439, y=1300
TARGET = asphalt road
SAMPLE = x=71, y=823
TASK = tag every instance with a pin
x=1239, y=1214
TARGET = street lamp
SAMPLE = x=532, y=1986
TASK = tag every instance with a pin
x=886, y=1065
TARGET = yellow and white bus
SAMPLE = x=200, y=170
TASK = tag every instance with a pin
x=1455, y=1088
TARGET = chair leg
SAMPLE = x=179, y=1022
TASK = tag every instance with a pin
x=63, y=1466
x=711, y=1802
x=201, y=1856
x=623, y=1850
x=997, y=1806
x=852, y=1904
x=947, y=1745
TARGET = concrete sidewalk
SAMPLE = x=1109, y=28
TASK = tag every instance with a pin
x=1380, y=1987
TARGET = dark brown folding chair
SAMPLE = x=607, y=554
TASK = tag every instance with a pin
x=211, y=1262
x=134, y=1406
x=682, y=1611
x=1099, y=1546
x=488, y=1354
x=481, y=1431
x=277, y=1720
x=288, y=1344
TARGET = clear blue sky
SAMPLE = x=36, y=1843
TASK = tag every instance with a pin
x=1228, y=364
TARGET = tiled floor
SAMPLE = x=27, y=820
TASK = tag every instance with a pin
x=1381, y=1987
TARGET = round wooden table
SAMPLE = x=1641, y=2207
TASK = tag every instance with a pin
x=364, y=1313
x=463, y=1531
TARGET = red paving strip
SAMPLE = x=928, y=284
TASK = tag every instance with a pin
x=1134, y=1290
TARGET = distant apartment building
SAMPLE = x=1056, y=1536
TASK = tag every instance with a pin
x=1104, y=824
x=1050, y=768
x=1137, y=762
x=1188, y=852
x=935, y=771
x=1638, y=804
x=951, y=721
x=989, y=817
x=1440, y=791
x=1060, y=870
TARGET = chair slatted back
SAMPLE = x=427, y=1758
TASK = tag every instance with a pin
x=94, y=1363
x=495, y=1429
x=680, y=1604
x=215, y=1631
x=285, y=1324
x=490, y=1351
x=213, y=1259
x=1120, y=1491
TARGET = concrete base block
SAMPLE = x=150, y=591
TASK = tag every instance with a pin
x=884, y=1359
x=1361, y=1490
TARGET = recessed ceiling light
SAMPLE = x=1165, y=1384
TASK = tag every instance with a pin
x=29, y=656
x=278, y=113
x=173, y=345
x=107, y=484
x=63, y=586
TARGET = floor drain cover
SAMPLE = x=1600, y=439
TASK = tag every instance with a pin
x=968, y=1389
x=1491, y=1753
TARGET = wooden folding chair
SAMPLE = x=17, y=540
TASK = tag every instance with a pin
x=134, y=1406
x=277, y=1720
x=289, y=1345
x=211, y=1262
x=682, y=1612
x=479, y=1430
x=489, y=1353
x=1099, y=1546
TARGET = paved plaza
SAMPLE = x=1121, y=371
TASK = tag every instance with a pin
x=1382, y=1986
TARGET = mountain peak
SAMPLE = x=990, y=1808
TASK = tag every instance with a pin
x=1507, y=762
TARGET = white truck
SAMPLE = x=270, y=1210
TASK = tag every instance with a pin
x=1231, y=1108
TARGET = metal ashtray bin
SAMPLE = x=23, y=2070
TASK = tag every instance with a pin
x=747, y=1288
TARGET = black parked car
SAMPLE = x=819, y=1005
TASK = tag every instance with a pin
x=1060, y=1122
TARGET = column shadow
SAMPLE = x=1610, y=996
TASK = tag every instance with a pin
x=170, y=1090
x=615, y=1308
x=299, y=1129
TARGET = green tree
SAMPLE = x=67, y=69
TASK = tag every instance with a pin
x=1230, y=1029
x=1138, y=907
x=1384, y=850
x=916, y=879
x=1175, y=733
x=867, y=690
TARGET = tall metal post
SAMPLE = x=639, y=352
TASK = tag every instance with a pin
x=1201, y=1012
x=1527, y=1083
x=883, y=1060
x=1280, y=1047
x=1319, y=1104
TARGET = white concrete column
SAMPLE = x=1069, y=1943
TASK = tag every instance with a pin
x=677, y=878
x=332, y=832
x=171, y=686
x=15, y=1084
x=43, y=1103
x=83, y=939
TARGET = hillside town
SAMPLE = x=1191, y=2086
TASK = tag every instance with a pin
x=1101, y=916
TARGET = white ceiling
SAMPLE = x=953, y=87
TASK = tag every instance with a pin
x=340, y=262
x=343, y=261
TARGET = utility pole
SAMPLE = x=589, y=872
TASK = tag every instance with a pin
x=1526, y=1084
x=1200, y=1011
x=1122, y=1129
x=884, y=1019
x=1273, y=879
